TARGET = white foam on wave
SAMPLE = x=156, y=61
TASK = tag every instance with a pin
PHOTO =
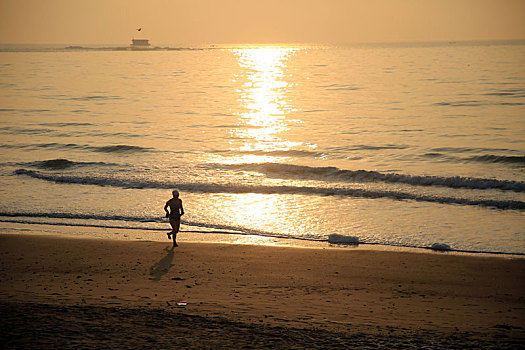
x=335, y=238
x=333, y=173
x=240, y=188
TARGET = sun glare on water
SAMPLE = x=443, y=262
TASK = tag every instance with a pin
x=262, y=117
x=262, y=121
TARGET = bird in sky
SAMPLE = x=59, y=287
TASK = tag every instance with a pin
x=139, y=29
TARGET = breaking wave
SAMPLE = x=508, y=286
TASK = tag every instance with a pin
x=239, y=188
x=336, y=174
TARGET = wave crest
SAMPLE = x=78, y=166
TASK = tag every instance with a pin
x=120, y=149
x=491, y=158
x=335, y=174
x=55, y=164
x=104, y=149
x=61, y=164
x=239, y=188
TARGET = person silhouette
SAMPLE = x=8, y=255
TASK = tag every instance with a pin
x=174, y=214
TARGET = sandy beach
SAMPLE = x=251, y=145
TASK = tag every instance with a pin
x=92, y=293
x=347, y=174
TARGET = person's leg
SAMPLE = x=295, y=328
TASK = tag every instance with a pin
x=175, y=224
x=172, y=228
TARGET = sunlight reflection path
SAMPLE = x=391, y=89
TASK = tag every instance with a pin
x=260, y=133
x=264, y=104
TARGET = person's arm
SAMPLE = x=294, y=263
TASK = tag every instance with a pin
x=166, y=208
x=181, y=208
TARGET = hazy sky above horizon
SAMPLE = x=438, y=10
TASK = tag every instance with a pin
x=175, y=22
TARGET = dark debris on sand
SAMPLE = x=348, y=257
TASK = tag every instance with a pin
x=41, y=326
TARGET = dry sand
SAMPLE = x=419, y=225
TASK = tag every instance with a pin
x=88, y=293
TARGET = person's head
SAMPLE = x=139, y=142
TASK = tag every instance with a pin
x=175, y=193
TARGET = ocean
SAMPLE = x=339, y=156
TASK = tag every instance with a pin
x=397, y=145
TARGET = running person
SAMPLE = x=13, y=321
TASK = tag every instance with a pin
x=174, y=214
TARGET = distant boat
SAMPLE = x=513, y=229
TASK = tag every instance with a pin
x=140, y=44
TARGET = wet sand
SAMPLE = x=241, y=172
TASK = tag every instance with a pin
x=71, y=292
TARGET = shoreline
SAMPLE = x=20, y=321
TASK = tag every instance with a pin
x=370, y=294
x=197, y=236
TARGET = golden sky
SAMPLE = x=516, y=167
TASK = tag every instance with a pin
x=172, y=22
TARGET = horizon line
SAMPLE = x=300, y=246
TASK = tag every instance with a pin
x=281, y=43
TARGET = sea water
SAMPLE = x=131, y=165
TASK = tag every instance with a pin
x=411, y=145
